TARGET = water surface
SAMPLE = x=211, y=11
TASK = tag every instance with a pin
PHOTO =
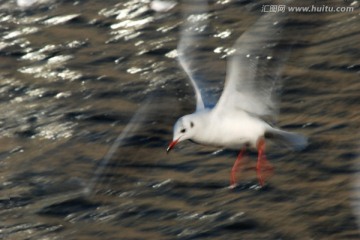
x=77, y=75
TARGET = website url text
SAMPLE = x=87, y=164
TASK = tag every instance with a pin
x=307, y=9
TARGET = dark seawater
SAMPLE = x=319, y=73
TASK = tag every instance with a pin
x=77, y=76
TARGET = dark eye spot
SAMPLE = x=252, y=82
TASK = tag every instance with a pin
x=191, y=124
x=183, y=130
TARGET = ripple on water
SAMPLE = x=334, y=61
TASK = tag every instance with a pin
x=61, y=19
x=23, y=31
x=131, y=20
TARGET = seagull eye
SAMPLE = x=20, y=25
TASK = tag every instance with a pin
x=191, y=124
x=183, y=130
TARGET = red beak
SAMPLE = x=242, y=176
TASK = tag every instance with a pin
x=171, y=145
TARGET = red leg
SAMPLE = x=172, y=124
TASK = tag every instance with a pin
x=235, y=167
x=262, y=163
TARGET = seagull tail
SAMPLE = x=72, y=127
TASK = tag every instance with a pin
x=293, y=140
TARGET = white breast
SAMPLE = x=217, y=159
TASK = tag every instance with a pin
x=232, y=130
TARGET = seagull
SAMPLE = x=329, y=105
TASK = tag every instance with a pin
x=243, y=115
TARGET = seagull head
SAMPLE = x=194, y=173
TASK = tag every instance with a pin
x=184, y=129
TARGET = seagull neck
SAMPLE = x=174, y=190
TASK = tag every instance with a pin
x=204, y=124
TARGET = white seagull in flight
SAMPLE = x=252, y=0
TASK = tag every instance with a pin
x=238, y=120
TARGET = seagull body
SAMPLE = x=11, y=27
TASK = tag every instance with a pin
x=227, y=130
x=240, y=118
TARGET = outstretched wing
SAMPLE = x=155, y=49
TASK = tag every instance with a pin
x=254, y=68
x=192, y=34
